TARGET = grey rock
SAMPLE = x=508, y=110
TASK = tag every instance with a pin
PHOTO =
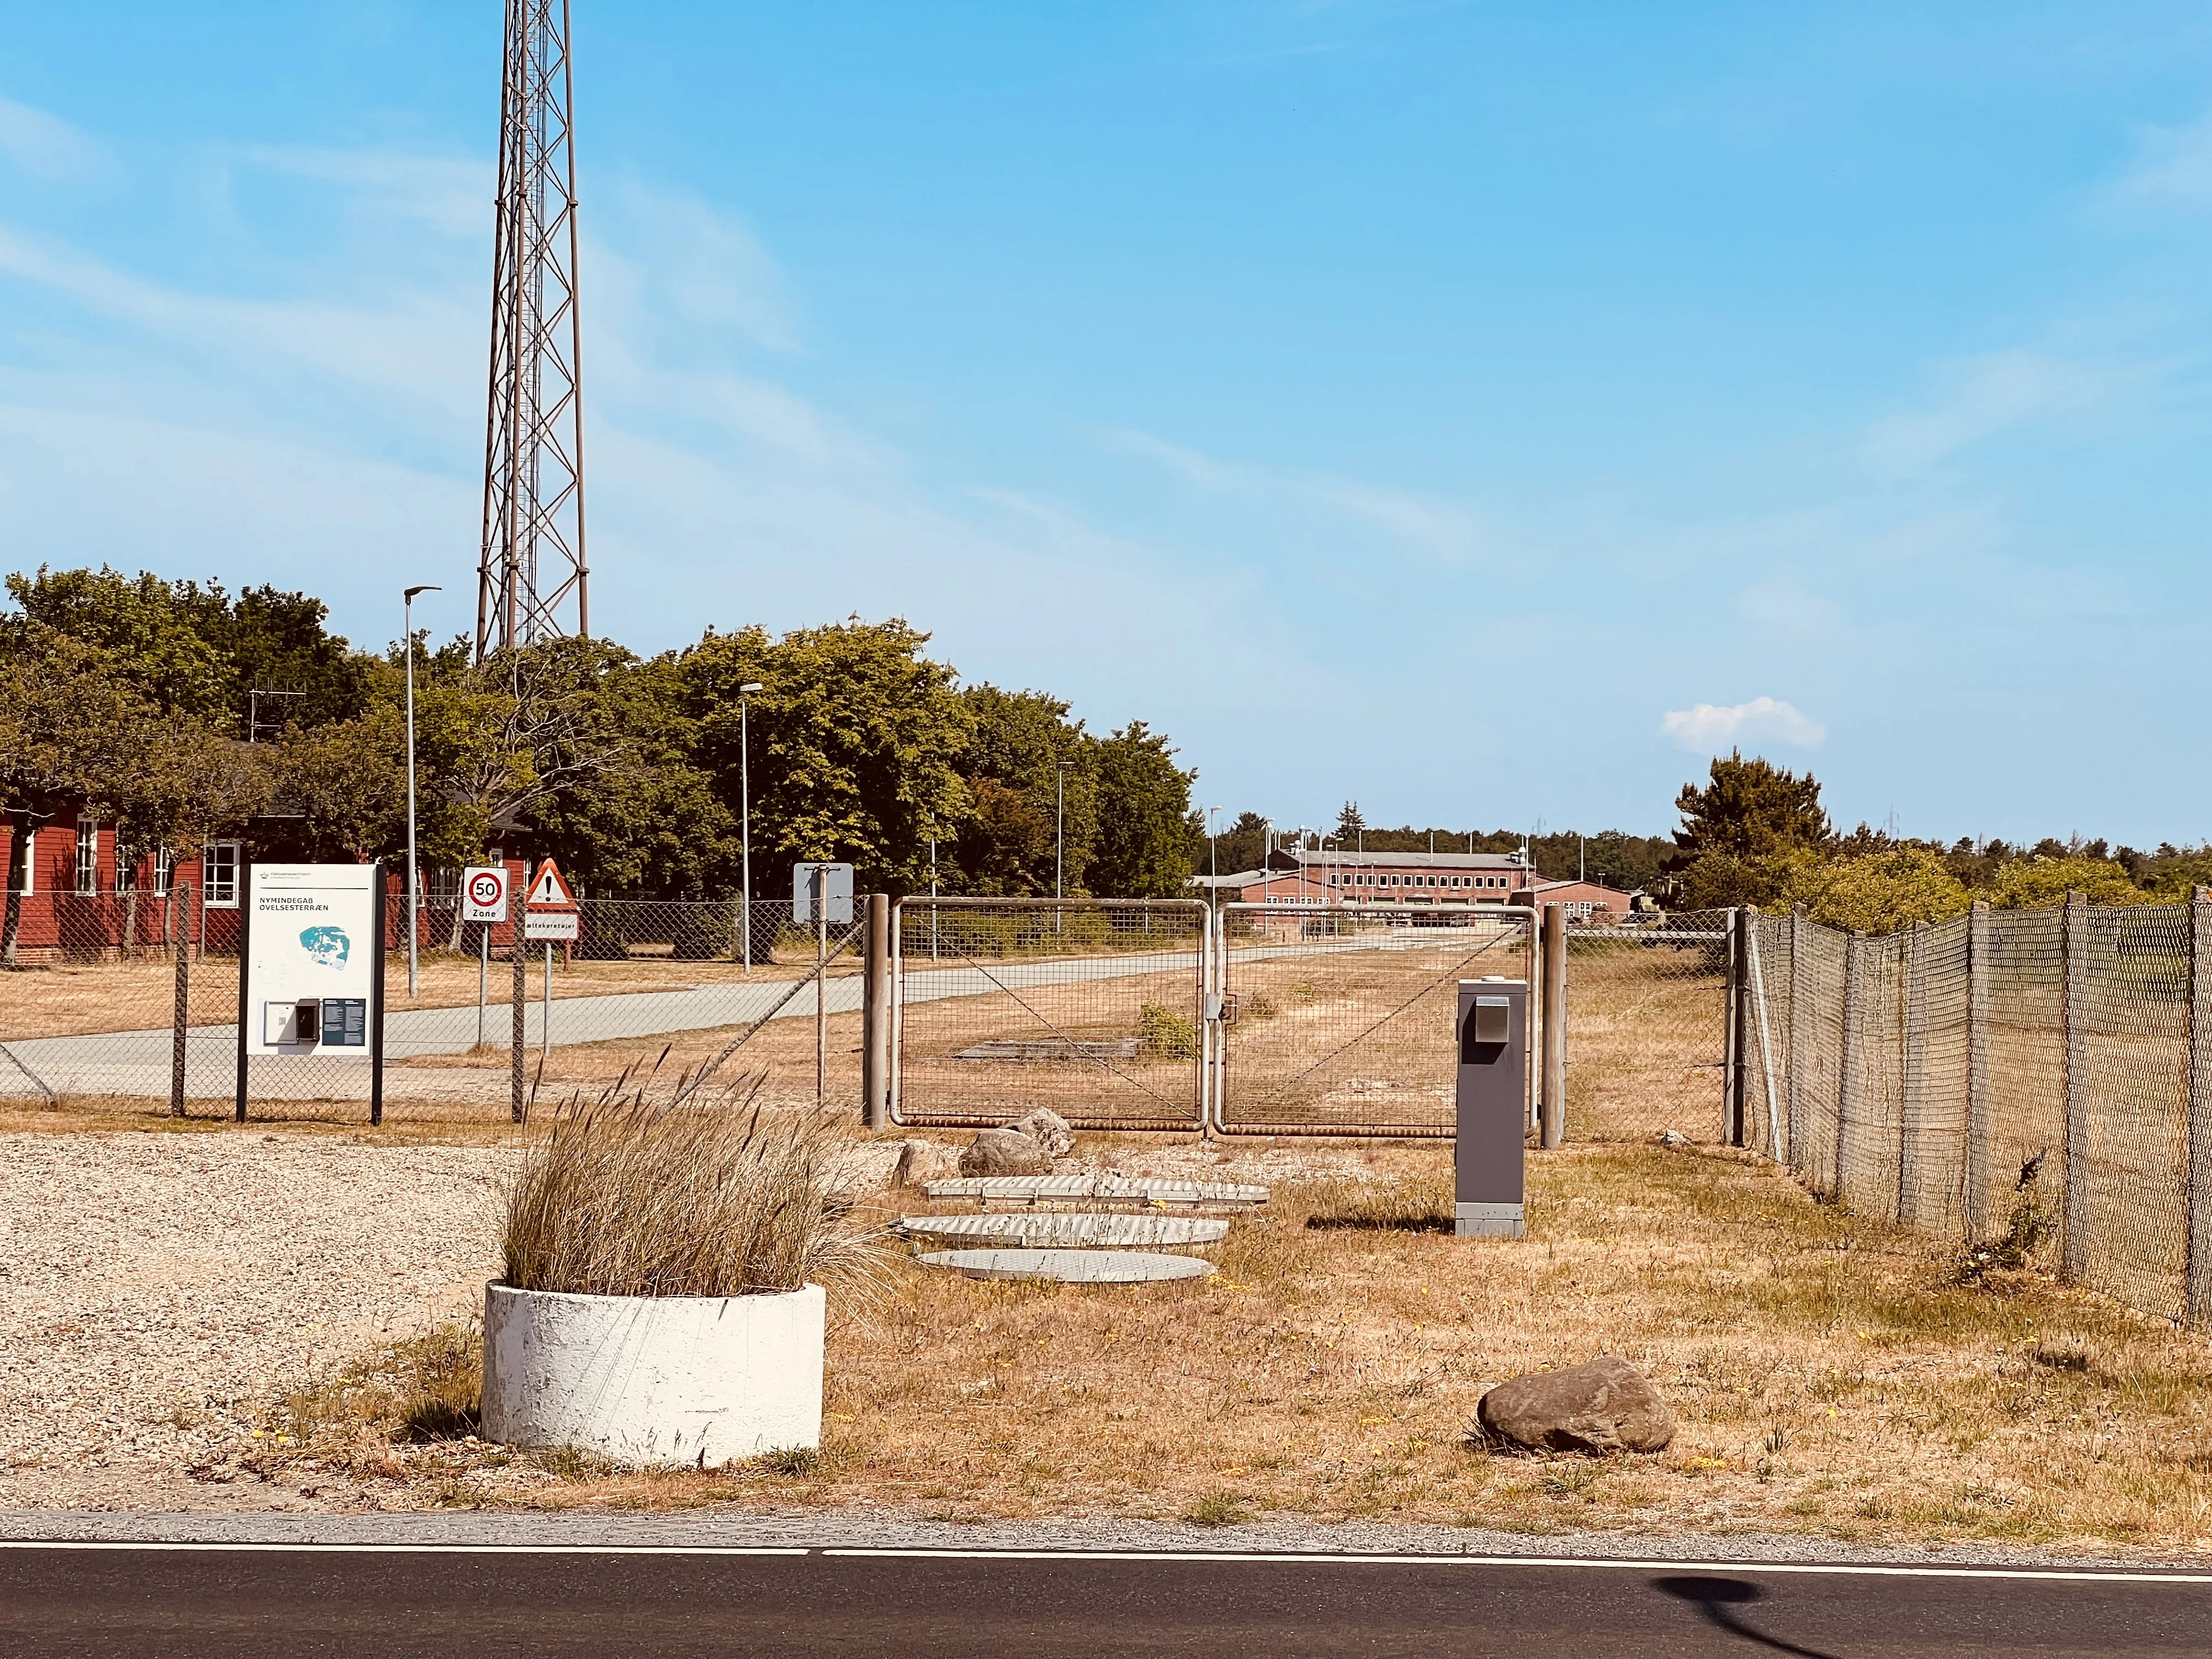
x=1049, y=1129
x=924, y=1160
x=1005, y=1152
x=1605, y=1405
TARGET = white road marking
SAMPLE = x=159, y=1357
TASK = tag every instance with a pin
x=1877, y=1570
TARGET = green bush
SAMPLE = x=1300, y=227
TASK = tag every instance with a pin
x=1164, y=1034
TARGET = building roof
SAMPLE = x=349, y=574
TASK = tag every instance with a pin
x=1334, y=860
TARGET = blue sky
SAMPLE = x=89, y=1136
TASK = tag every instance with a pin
x=1483, y=412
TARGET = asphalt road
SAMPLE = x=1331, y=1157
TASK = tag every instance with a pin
x=311, y=1600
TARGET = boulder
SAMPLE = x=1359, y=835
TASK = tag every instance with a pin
x=924, y=1160
x=1049, y=1129
x=1606, y=1405
x=1005, y=1152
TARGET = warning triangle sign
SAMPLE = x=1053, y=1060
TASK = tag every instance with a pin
x=548, y=891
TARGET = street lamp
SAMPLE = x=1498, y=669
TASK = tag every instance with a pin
x=745, y=815
x=414, y=884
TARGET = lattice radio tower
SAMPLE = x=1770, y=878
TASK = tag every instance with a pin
x=533, y=573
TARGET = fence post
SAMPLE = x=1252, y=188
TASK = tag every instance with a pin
x=1801, y=1035
x=1913, y=1125
x=1977, y=1071
x=1732, y=1033
x=181, y=1020
x=2076, y=937
x=2199, y=1276
x=876, y=1017
x=520, y=1000
x=1555, y=1025
x=1847, y=1090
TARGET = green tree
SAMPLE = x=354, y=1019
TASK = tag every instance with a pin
x=1144, y=835
x=856, y=738
x=1749, y=809
x=2021, y=884
x=1350, y=825
x=1020, y=742
x=1241, y=845
x=1877, y=893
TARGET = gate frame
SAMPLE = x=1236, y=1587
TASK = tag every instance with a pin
x=1524, y=919
x=1196, y=1123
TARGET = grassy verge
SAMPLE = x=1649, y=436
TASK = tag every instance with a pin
x=1830, y=1374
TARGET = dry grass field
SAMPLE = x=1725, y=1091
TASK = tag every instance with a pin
x=1829, y=1375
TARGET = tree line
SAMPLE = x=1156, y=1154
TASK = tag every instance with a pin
x=178, y=711
x=1754, y=833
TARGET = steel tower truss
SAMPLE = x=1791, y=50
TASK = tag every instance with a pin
x=533, y=579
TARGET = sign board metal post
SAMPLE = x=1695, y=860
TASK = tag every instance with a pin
x=483, y=902
x=817, y=891
x=518, y=1003
x=552, y=915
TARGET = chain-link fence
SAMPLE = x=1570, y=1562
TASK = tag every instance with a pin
x=1092, y=1008
x=1647, y=1026
x=2038, y=1080
x=134, y=997
x=1340, y=1020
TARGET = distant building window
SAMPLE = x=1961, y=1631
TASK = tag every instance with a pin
x=87, y=855
x=220, y=872
x=164, y=868
x=30, y=861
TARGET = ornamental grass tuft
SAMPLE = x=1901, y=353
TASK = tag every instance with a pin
x=705, y=1192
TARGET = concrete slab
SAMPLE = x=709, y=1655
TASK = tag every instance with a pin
x=1072, y=1266
x=1064, y=1230
x=1094, y=1187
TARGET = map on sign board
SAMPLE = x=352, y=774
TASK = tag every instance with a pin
x=829, y=884
x=547, y=890
x=484, y=893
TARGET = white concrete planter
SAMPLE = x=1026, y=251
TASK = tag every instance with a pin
x=699, y=1380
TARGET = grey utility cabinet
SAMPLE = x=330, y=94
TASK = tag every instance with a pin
x=1492, y=1106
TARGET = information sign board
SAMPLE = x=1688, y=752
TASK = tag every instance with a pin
x=830, y=885
x=312, y=959
x=550, y=925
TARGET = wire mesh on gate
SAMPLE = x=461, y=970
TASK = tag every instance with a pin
x=1647, y=1026
x=1340, y=1020
x=1092, y=1008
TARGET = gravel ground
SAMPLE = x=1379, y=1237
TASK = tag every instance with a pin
x=157, y=1291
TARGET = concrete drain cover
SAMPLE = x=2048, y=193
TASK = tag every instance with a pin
x=1065, y=1230
x=1071, y=1267
x=1094, y=1187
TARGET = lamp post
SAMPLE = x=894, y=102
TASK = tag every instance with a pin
x=745, y=816
x=414, y=884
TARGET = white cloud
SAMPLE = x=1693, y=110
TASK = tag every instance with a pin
x=2175, y=165
x=1983, y=396
x=46, y=148
x=1440, y=529
x=1707, y=728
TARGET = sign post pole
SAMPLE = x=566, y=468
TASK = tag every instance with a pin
x=376, y=993
x=519, y=1001
x=821, y=998
x=484, y=902
x=245, y=958
x=483, y=978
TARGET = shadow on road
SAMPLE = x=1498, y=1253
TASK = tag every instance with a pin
x=1718, y=1598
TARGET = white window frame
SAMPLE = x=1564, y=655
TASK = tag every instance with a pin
x=30, y=863
x=210, y=898
x=165, y=869
x=87, y=869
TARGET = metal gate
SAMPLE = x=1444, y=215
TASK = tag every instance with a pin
x=1337, y=1020
x=1093, y=1008
x=1648, y=1027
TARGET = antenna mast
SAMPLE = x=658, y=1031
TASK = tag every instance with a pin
x=533, y=568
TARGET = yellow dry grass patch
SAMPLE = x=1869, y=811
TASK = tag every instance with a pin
x=1829, y=1374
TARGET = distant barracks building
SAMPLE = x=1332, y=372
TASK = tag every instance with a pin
x=1314, y=879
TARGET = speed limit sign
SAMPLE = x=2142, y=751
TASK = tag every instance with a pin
x=483, y=894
